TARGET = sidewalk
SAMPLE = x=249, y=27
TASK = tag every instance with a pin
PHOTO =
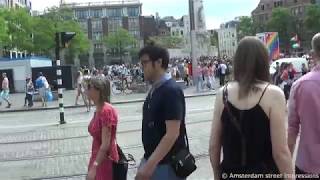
x=17, y=100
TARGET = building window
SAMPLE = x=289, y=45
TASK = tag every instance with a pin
x=313, y=1
x=81, y=14
x=133, y=24
x=295, y=1
x=133, y=11
x=181, y=33
x=262, y=7
x=98, y=46
x=135, y=33
x=116, y=12
x=97, y=13
x=84, y=25
x=96, y=25
x=97, y=36
x=114, y=24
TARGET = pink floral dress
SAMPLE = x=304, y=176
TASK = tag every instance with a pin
x=107, y=117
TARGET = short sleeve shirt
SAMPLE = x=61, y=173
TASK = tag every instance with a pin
x=166, y=103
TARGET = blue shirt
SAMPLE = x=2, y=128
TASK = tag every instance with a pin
x=166, y=103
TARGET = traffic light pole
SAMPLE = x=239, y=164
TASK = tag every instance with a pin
x=59, y=78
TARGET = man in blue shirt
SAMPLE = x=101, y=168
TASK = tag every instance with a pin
x=163, y=124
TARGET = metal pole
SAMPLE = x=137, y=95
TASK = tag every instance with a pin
x=59, y=79
x=193, y=40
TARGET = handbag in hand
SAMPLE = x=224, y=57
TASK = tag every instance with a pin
x=120, y=168
x=183, y=162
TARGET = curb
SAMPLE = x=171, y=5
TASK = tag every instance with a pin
x=81, y=106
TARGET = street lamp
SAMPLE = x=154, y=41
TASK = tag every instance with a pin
x=62, y=41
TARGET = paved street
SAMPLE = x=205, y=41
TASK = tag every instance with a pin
x=33, y=146
x=17, y=99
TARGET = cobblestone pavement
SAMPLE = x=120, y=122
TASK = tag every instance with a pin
x=33, y=146
x=17, y=99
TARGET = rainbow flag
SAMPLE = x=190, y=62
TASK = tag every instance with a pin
x=271, y=40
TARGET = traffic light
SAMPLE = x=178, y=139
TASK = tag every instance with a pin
x=66, y=37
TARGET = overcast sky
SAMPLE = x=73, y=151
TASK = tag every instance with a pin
x=216, y=11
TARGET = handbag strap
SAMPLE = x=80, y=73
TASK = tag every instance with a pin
x=236, y=124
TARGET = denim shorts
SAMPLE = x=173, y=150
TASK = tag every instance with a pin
x=4, y=94
x=163, y=171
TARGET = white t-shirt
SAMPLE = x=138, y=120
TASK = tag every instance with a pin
x=223, y=68
x=79, y=80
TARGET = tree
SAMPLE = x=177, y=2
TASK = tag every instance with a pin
x=3, y=31
x=61, y=20
x=312, y=19
x=246, y=27
x=214, y=39
x=120, y=42
x=169, y=42
x=37, y=34
x=282, y=22
x=19, y=24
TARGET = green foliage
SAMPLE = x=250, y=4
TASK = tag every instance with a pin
x=120, y=42
x=282, y=22
x=312, y=19
x=169, y=42
x=3, y=31
x=246, y=27
x=37, y=34
x=214, y=39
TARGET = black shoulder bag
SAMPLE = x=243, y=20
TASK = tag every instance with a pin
x=183, y=162
x=120, y=168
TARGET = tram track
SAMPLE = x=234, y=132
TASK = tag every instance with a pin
x=87, y=135
x=53, y=155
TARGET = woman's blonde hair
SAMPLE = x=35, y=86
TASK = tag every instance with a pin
x=103, y=86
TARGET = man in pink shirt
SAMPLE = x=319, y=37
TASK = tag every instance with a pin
x=5, y=90
x=304, y=117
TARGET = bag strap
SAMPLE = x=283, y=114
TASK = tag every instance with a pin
x=236, y=124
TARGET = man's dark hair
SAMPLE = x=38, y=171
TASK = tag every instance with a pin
x=155, y=53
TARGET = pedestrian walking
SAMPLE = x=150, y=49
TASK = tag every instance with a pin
x=80, y=89
x=85, y=83
x=43, y=88
x=222, y=73
x=4, y=95
x=304, y=117
x=249, y=119
x=29, y=92
x=163, y=123
x=103, y=129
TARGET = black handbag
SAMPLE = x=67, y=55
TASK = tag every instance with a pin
x=120, y=168
x=183, y=162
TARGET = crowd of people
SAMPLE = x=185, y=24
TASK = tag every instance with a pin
x=249, y=123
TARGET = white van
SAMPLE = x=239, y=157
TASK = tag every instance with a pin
x=296, y=62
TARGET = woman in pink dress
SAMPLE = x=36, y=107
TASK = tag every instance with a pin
x=102, y=128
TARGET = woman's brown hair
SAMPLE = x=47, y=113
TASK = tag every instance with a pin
x=103, y=86
x=251, y=65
